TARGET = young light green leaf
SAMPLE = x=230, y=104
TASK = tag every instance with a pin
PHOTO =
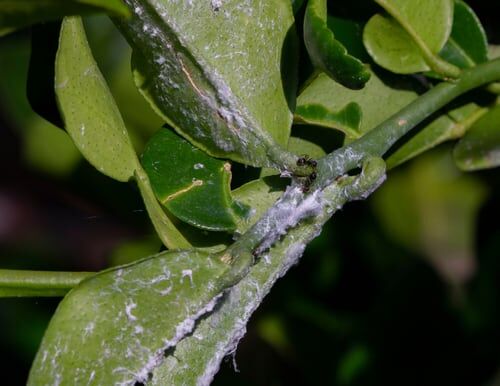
x=328, y=54
x=467, y=45
x=357, y=111
x=409, y=39
x=480, y=147
x=97, y=129
x=128, y=317
x=451, y=125
x=17, y=14
x=192, y=185
x=185, y=56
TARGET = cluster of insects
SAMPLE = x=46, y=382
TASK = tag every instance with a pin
x=308, y=161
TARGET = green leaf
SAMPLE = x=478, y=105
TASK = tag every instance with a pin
x=223, y=76
x=259, y=195
x=301, y=146
x=90, y=115
x=94, y=123
x=409, y=39
x=168, y=233
x=347, y=119
x=128, y=317
x=197, y=357
x=326, y=103
x=445, y=127
x=328, y=54
x=467, y=45
x=192, y=185
x=21, y=13
x=350, y=34
x=480, y=147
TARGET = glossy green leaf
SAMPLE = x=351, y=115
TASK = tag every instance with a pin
x=21, y=13
x=409, y=38
x=328, y=54
x=326, y=103
x=451, y=125
x=214, y=72
x=350, y=34
x=467, y=45
x=480, y=147
x=89, y=113
x=127, y=317
x=192, y=185
x=347, y=119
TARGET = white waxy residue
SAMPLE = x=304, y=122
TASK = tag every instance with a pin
x=216, y=4
x=128, y=311
x=187, y=273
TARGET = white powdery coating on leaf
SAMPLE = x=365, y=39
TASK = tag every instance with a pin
x=287, y=213
x=238, y=130
x=187, y=273
x=128, y=311
x=252, y=299
x=216, y=4
x=183, y=328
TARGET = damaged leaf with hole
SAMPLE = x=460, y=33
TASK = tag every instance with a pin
x=192, y=185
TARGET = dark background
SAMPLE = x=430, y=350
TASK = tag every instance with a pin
x=401, y=289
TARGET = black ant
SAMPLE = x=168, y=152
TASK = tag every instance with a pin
x=303, y=161
x=306, y=160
